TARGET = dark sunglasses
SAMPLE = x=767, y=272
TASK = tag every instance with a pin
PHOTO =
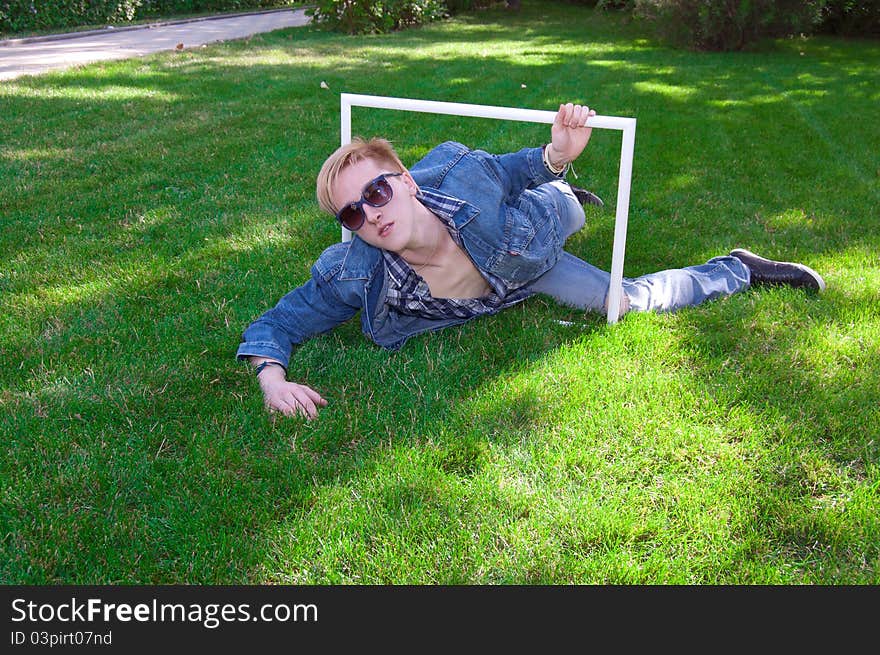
x=376, y=193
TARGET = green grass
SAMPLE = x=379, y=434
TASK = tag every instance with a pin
x=152, y=208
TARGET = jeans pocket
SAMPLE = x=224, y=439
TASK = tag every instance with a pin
x=526, y=252
x=519, y=231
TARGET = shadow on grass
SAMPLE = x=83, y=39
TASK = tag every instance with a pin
x=808, y=368
x=155, y=208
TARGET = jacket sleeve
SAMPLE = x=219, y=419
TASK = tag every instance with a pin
x=519, y=170
x=307, y=311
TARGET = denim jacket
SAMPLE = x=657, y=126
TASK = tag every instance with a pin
x=505, y=229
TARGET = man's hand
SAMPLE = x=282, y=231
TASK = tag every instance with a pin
x=569, y=134
x=289, y=398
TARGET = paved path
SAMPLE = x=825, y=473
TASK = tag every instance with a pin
x=36, y=55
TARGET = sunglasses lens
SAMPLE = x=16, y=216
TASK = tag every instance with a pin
x=378, y=193
x=351, y=217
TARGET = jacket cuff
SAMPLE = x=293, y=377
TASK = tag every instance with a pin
x=262, y=349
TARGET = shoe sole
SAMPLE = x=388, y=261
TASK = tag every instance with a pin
x=587, y=197
x=820, y=283
x=593, y=199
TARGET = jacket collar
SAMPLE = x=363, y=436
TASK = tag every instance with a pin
x=360, y=260
x=459, y=211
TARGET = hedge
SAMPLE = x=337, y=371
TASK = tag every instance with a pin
x=851, y=17
x=17, y=16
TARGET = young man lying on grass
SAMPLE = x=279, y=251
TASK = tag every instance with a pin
x=462, y=234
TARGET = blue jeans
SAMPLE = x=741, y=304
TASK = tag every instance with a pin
x=574, y=282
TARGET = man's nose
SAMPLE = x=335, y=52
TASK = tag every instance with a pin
x=372, y=214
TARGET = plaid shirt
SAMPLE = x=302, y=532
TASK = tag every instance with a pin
x=409, y=293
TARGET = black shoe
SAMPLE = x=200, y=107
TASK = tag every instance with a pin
x=587, y=197
x=768, y=272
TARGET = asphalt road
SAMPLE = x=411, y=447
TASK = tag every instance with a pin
x=37, y=55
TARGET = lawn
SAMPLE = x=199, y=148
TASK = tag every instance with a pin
x=152, y=208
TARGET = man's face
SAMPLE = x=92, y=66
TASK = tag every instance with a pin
x=388, y=227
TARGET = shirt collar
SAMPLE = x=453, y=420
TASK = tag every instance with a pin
x=441, y=204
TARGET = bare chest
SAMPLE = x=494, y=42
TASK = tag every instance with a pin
x=454, y=276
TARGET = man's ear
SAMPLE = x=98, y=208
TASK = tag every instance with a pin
x=411, y=183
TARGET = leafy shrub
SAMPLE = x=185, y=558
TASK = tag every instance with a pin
x=851, y=17
x=730, y=24
x=457, y=6
x=365, y=16
x=30, y=15
x=616, y=5
x=605, y=4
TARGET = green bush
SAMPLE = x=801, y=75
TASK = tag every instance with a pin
x=457, y=6
x=615, y=5
x=730, y=24
x=365, y=16
x=607, y=5
x=851, y=17
x=34, y=15
x=23, y=15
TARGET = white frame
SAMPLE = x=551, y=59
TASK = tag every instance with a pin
x=626, y=125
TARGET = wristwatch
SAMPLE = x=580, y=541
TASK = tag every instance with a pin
x=266, y=363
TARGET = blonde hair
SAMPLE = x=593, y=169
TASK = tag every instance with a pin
x=377, y=149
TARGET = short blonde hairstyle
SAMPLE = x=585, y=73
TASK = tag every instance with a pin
x=377, y=149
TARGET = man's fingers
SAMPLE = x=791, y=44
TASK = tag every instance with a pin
x=307, y=407
x=314, y=396
x=307, y=400
x=290, y=405
x=588, y=114
x=281, y=405
x=573, y=116
x=563, y=116
x=580, y=116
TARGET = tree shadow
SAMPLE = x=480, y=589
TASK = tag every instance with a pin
x=818, y=355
